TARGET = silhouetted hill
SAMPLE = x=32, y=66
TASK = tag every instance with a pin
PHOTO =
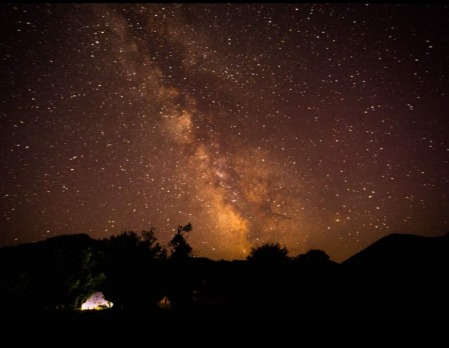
x=402, y=251
x=400, y=276
x=67, y=242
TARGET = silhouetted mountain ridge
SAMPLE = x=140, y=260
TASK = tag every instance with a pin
x=400, y=276
x=402, y=251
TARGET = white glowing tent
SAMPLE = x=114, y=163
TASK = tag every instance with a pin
x=96, y=302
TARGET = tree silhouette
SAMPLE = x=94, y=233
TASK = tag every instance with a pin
x=83, y=277
x=130, y=262
x=269, y=254
x=313, y=257
x=180, y=249
x=148, y=241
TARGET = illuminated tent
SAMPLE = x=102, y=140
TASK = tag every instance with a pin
x=164, y=303
x=96, y=302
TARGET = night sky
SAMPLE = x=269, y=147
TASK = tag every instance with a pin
x=313, y=125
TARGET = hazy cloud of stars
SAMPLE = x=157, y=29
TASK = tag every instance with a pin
x=313, y=125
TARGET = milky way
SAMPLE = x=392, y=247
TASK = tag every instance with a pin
x=313, y=125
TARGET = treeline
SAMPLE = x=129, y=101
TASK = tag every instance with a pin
x=135, y=272
x=62, y=272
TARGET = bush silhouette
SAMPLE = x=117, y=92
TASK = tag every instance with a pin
x=268, y=254
x=313, y=257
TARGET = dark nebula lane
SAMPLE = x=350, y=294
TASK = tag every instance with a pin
x=313, y=125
